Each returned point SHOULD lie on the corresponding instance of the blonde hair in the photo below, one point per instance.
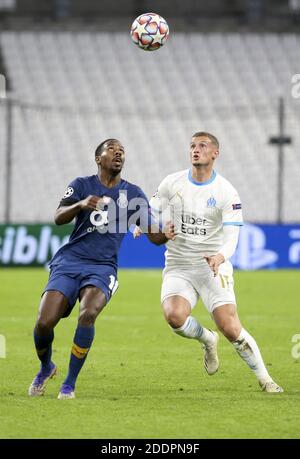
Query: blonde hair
(210, 136)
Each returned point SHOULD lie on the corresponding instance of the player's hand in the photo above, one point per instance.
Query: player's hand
(214, 262)
(137, 232)
(94, 202)
(169, 231)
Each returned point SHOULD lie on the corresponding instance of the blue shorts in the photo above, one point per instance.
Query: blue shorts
(70, 279)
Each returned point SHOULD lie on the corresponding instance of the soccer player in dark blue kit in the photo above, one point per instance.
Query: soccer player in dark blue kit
(85, 268)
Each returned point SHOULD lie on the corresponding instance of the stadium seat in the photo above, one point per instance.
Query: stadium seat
(80, 88)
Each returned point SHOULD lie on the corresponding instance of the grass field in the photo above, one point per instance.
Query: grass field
(142, 381)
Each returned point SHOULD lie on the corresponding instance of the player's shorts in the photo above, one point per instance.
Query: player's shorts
(70, 279)
(193, 282)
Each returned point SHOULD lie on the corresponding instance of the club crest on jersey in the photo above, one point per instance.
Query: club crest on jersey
(69, 192)
(211, 202)
(122, 199)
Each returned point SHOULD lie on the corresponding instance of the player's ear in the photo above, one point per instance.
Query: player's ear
(215, 154)
(98, 160)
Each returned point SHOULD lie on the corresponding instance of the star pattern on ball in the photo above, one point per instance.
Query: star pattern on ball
(158, 37)
(149, 31)
(141, 29)
(156, 19)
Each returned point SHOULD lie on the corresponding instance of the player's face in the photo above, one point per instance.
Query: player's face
(203, 151)
(112, 157)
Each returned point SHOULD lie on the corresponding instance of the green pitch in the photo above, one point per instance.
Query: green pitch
(142, 381)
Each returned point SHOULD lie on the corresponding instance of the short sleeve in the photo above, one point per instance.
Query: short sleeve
(232, 210)
(159, 203)
(160, 200)
(73, 193)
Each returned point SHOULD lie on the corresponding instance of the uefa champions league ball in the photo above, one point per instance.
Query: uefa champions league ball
(149, 31)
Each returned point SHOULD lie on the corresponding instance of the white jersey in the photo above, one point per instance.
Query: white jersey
(199, 211)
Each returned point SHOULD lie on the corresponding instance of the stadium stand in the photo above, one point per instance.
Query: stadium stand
(74, 89)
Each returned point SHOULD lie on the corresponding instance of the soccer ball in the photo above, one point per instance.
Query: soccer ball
(149, 31)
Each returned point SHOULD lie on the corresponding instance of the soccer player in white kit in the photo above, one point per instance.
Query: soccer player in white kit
(207, 214)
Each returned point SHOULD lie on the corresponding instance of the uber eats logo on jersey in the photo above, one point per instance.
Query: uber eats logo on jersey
(193, 225)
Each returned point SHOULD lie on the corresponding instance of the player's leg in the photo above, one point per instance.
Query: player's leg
(228, 322)
(178, 298)
(92, 302)
(53, 306)
(177, 312)
(218, 296)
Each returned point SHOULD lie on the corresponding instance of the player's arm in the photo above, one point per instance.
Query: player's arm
(156, 232)
(159, 238)
(68, 210)
(230, 240)
(232, 220)
(74, 201)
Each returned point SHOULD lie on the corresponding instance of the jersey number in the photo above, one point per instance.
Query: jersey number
(225, 281)
(114, 284)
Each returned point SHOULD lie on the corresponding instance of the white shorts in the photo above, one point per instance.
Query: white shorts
(193, 282)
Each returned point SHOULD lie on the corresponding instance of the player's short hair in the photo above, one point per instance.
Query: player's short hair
(100, 147)
(207, 134)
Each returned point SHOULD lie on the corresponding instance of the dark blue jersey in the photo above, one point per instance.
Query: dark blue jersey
(97, 235)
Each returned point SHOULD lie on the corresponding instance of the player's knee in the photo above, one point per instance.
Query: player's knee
(44, 326)
(230, 330)
(88, 316)
(175, 318)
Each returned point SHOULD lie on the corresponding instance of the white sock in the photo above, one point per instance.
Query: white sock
(247, 348)
(193, 330)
